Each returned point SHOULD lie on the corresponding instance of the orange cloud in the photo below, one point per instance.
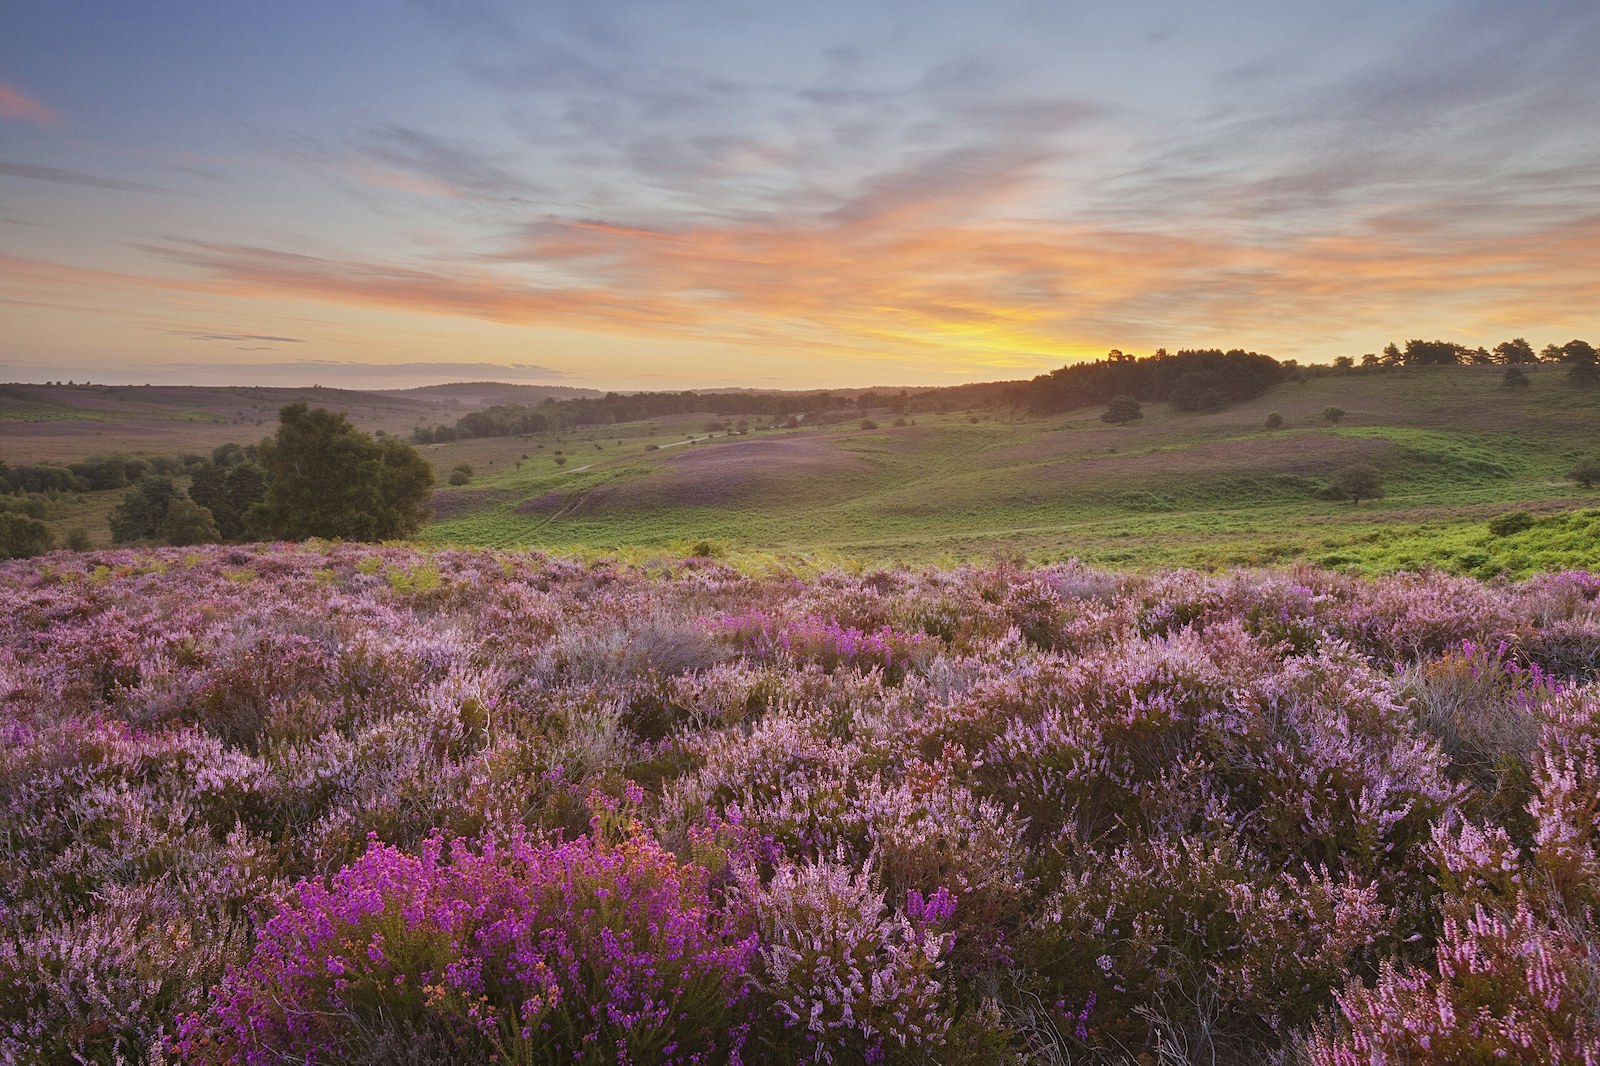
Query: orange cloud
(17, 107)
(908, 287)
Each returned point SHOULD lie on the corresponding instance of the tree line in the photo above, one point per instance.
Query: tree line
(317, 476)
(1190, 380)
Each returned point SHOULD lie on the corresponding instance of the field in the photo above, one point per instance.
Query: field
(1171, 489)
(337, 803)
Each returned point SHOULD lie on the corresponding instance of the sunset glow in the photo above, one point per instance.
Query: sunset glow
(638, 195)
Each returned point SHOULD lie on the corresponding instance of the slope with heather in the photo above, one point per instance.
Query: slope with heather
(343, 803)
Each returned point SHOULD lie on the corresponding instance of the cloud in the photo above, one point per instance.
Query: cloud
(15, 106)
(70, 177)
(342, 374)
(237, 337)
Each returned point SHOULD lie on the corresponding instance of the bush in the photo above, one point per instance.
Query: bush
(459, 477)
(1585, 471)
(1356, 483)
(1333, 414)
(522, 952)
(1121, 411)
(1274, 421)
(22, 537)
(1504, 525)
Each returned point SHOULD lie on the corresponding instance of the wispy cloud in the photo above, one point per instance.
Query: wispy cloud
(70, 177)
(16, 106)
(234, 337)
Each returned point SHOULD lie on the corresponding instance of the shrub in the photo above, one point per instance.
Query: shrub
(1585, 471)
(1274, 421)
(527, 953)
(849, 979)
(1504, 525)
(1333, 414)
(459, 477)
(22, 537)
(1121, 410)
(1356, 483)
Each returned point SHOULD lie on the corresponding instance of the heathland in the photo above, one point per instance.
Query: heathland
(942, 477)
(337, 803)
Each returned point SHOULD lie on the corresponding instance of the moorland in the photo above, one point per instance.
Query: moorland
(946, 475)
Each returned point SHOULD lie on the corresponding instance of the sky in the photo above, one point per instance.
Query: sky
(650, 194)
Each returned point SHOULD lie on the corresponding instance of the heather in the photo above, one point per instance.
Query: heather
(318, 803)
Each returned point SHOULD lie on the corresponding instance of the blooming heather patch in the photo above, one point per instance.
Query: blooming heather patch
(340, 803)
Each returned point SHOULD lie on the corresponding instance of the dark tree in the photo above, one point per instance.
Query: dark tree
(1122, 410)
(1515, 352)
(22, 537)
(1333, 414)
(188, 523)
(1274, 421)
(329, 479)
(1432, 353)
(1514, 378)
(1391, 355)
(1583, 367)
(142, 511)
(229, 492)
(1357, 483)
(1585, 471)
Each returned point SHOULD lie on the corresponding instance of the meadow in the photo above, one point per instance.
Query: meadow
(338, 803)
(1172, 489)
(947, 484)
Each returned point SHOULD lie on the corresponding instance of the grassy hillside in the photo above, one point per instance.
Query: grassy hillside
(1172, 489)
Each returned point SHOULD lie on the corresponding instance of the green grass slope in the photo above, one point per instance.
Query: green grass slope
(1214, 489)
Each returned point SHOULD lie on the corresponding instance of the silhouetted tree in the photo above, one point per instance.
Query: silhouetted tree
(1432, 353)
(1515, 352)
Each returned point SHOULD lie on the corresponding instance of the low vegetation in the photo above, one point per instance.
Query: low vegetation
(337, 803)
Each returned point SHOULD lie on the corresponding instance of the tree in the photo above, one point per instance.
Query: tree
(188, 523)
(1514, 352)
(1344, 362)
(1391, 355)
(22, 537)
(1333, 414)
(1274, 421)
(1369, 360)
(1432, 353)
(1585, 471)
(229, 492)
(1122, 410)
(329, 479)
(1357, 483)
(1583, 363)
(1514, 378)
(142, 511)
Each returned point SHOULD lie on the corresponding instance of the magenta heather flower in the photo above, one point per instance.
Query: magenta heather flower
(529, 952)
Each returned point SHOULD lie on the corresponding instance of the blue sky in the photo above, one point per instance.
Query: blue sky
(631, 194)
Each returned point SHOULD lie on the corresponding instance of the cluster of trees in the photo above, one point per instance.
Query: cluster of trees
(1578, 355)
(503, 420)
(1190, 380)
(818, 407)
(317, 476)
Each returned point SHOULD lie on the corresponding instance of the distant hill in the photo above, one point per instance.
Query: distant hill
(488, 393)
